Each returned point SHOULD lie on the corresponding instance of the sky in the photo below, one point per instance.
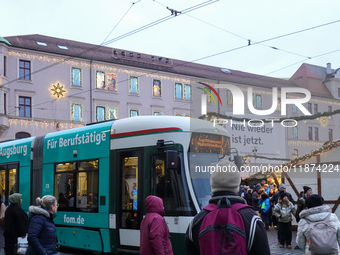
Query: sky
(216, 34)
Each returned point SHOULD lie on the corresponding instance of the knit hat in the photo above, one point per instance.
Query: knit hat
(283, 194)
(282, 186)
(15, 198)
(225, 177)
(314, 200)
(306, 188)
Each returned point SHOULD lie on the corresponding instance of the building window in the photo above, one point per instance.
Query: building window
(187, 92)
(310, 133)
(258, 102)
(156, 88)
(178, 91)
(21, 135)
(24, 70)
(112, 81)
(76, 76)
(76, 112)
(158, 113)
(25, 107)
(100, 113)
(316, 134)
(295, 153)
(278, 107)
(309, 107)
(229, 97)
(295, 132)
(338, 92)
(100, 80)
(111, 113)
(5, 59)
(5, 102)
(316, 108)
(330, 134)
(76, 185)
(134, 113)
(133, 85)
(294, 108)
(208, 95)
(330, 108)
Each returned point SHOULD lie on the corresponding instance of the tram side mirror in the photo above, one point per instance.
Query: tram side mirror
(171, 159)
(238, 161)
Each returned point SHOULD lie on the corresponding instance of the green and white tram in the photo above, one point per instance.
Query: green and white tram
(102, 173)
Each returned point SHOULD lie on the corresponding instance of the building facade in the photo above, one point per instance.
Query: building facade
(49, 84)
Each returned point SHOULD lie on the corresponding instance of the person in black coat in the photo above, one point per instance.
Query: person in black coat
(16, 223)
(42, 236)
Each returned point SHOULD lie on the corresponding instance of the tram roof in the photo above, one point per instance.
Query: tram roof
(186, 124)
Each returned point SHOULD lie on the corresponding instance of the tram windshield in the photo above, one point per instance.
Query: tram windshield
(205, 150)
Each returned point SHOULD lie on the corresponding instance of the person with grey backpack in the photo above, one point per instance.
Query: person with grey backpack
(319, 228)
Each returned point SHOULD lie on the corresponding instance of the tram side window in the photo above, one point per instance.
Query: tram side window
(76, 186)
(8, 180)
(170, 185)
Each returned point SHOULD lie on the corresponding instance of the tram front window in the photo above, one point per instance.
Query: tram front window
(200, 164)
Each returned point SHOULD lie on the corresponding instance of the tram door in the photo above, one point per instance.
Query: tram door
(8, 180)
(129, 215)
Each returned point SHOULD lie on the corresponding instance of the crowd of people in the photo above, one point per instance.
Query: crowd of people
(38, 229)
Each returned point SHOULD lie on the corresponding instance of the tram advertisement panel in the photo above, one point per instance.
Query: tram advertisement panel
(16, 151)
(77, 144)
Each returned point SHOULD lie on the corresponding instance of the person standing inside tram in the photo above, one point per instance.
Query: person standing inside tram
(42, 235)
(154, 232)
(16, 223)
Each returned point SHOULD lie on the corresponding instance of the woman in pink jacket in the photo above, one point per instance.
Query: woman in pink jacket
(154, 233)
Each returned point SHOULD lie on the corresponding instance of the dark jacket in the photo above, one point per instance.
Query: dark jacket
(42, 236)
(301, 205)
(260, 243)
(255, 197)
(16, 224)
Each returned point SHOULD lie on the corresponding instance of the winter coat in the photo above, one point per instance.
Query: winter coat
(266, 202)
(42, 236)
(248, 198)
(154, 232)
(2, 224)
(314, 214)
(301, 205)
(284, 211)
(260, 243)
(16, 224)
(256, 197)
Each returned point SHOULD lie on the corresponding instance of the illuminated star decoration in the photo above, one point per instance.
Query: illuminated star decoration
(58, 90)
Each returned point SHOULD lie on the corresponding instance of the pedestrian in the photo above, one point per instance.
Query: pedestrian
(42, 236)
(301, 205)
(327, 236)
(265, 209)
(154, 232)
(224, 187)
(248, 197)
(276, 196)
(266, 188)
(283, 211)
(16, 223)
(256, 197)
(2, 225)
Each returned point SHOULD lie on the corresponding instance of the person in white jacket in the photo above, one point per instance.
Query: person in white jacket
(315, 211)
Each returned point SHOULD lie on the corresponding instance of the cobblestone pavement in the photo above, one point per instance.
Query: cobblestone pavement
(272, 239)
(274, 245)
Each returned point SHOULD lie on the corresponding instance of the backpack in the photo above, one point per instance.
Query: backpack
(222, 230)
(321, 236)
